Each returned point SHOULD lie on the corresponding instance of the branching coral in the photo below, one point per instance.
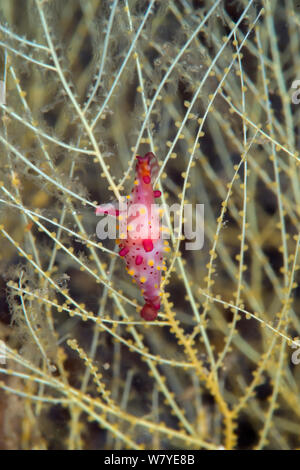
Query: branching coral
(207, 87)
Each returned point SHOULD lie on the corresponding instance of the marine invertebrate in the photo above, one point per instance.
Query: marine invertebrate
(141, 245)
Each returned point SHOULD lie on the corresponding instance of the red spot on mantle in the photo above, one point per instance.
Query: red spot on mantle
(138, 260)
(124, 251)
(148, 245)
(146, 179)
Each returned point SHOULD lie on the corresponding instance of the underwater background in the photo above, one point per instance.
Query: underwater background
(210, 87)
